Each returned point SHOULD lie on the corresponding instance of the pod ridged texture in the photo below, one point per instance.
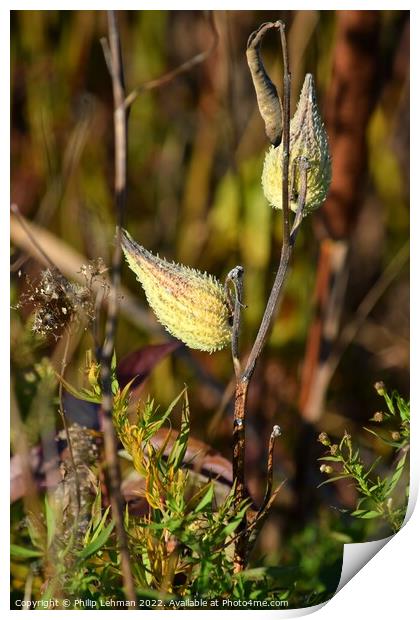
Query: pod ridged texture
(309, 140)
(191, 305)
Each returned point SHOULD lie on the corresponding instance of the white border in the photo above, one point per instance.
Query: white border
(387, 586)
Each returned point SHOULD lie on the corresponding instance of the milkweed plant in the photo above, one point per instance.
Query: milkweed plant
(188, 535)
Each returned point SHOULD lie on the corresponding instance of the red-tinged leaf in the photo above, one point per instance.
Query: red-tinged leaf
(140, 363)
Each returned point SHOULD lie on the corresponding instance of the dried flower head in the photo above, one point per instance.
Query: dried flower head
(57, 302)
(378, 416)
(308, 141)
(191, 305)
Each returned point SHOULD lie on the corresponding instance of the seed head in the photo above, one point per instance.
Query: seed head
(309, 141)
(191, 305)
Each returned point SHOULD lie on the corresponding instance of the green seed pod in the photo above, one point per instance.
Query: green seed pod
(308, 140)
(191, 305)
(268, 100)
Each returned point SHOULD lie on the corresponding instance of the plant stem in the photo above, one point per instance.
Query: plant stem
(115, 66)
(286, 249)
(243, 381)
(67, 432)
(236, 277)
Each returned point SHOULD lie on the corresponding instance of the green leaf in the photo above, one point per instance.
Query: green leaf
(366, 514)
(388, 442)
(334, 478)
(114, 361)
(81, 394)
(372, 467)
(22, 552)
(396, 475)
(153, 427)
(50, 520)
(97, 509)
(177, 454)
(96, 544)
(101, 525)
(206, 500)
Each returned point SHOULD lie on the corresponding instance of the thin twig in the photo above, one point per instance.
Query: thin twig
(276, 432)
(16, 211)
(235, 276)
(182, 68)
(66, 428)
(110, 438)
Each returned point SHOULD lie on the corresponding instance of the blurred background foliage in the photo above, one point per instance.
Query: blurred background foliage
(196, 147)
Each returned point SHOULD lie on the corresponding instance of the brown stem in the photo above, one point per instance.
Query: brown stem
(276, 432)
(235, 276)
(115, 66)
(289, 237)
(239, 469)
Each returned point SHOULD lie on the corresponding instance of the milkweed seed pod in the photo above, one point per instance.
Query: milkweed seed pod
(191, 305)
(268, 100)
(308, 139)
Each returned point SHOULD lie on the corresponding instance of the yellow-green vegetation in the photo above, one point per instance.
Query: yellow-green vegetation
(382, 497)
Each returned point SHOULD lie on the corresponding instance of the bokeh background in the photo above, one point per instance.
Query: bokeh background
(196, 147)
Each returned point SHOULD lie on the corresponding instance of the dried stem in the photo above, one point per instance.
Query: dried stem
(276, 432)
(115, 66)
(16, 211)
(235, 276)
(66, 429)
(241, 543)
(182, 68)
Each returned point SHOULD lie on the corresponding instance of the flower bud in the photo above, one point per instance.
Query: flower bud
(326, 469)
(308, 141)
(380, 388)
(334, 449)
(378, 416)
(395, 436)
(191, 305)
(324, 439)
